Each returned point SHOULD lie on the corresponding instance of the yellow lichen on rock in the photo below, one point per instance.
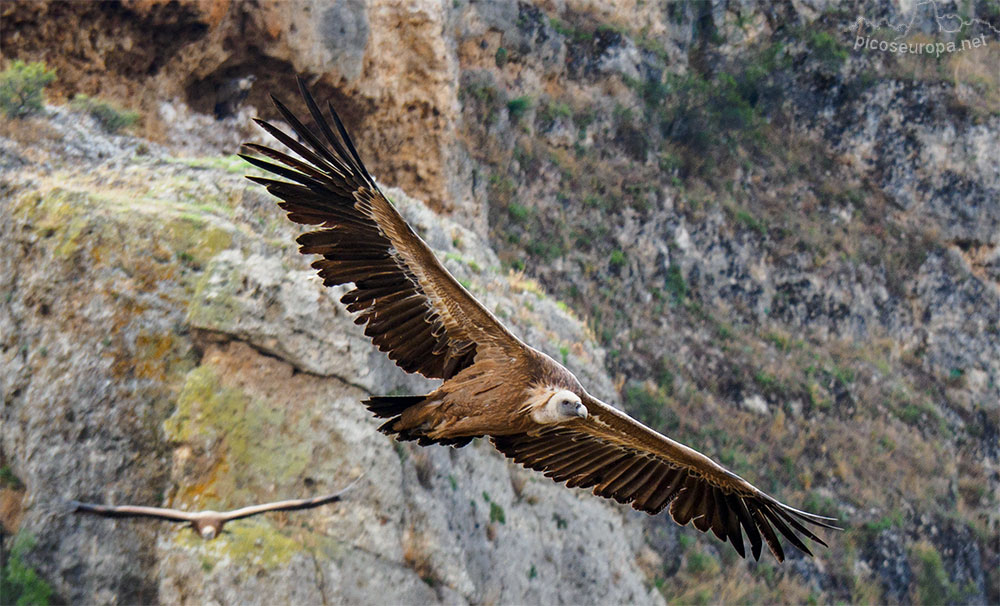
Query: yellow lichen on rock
(253, 542)
(222, 424)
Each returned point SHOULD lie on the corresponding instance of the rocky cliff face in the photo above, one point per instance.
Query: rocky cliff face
(164, 343)
(787, 247)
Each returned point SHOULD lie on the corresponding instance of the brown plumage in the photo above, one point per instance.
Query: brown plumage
(208, 524)
(532, 408)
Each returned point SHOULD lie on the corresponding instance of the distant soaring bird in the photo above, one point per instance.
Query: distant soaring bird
(208, 524)
(533, 409)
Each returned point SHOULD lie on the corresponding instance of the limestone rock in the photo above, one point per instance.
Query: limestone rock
(164, 343)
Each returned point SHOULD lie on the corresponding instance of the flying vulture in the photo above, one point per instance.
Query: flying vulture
(208, 524)
(532, 408)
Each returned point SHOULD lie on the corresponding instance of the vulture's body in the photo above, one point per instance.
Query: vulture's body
(532, 408)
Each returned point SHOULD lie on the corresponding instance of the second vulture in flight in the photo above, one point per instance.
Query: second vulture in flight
(533, 409)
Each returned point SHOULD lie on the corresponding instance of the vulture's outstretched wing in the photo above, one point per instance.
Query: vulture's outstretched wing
(132, 511)
(414, 309)
(629, 462)
(289, 505)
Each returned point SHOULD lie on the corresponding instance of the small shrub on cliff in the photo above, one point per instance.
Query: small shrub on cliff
(21, 88)
(482, 93)
(933, 585)
(111, 118)
(826, 48)
(575, 34)
(501, 57)
(19, 583)
(650, 405)
(9, 480)
(518, 107)
(617, 259)
(554, 110)
(676, 284)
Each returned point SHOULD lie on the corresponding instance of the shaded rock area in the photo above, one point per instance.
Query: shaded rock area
(762, 240)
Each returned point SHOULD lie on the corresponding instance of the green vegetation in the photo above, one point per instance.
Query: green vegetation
(651, 405)
(676, 285)
(501, 57)
(699, 563)
(575, 34)
(486, 95)
(254, 541)
(933, 585)
(712, 116)
(21, 87)
(496, 511)
(518, 107)
(9, 480)
(470, 263)
(230, 163)
(245, 430)
(617, 259)
(112, 119)
(721, 138)
(892, 520)
(497, 514)
(400, 451)
(19, 582)
(751, 222)
(560, 521)
(780, 341)
(500, 190)
(766, 381)
(825, 47)
(519, 213)
(550, 111)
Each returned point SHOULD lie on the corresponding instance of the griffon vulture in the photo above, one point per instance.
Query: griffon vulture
(208, 524)
(533, 409)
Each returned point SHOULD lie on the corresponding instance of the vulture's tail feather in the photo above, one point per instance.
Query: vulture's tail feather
(386, 407)
(391, 407)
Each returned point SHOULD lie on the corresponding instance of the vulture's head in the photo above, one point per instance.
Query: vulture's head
(567, 405)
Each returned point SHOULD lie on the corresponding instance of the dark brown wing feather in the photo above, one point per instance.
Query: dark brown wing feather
(413, 309)
(630, 463)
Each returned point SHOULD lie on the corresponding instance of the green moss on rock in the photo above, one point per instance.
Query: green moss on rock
(252, 542)
(112, 221)
(247, 435)
(213, 303)
(230, 164)
(194, 238)
(19, 583)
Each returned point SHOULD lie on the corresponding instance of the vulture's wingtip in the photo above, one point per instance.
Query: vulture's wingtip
(353, 483)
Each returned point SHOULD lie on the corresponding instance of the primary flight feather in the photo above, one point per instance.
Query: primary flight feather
(532, 408)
